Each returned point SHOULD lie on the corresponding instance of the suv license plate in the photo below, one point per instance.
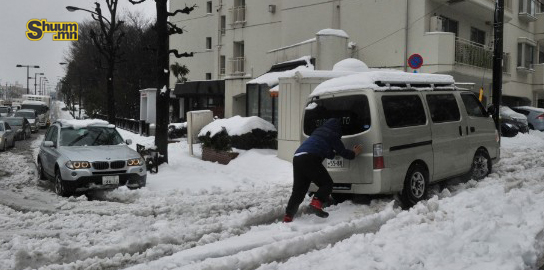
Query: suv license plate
(110, 180)
(337, 162)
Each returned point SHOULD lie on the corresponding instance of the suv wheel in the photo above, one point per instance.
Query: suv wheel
(4, 149)
(415, 185)
(481, 165)
(41, 175)
(60, 187)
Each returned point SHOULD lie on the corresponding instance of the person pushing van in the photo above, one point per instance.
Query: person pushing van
(308, 167)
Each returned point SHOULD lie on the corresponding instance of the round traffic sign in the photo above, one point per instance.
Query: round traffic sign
(415, 61)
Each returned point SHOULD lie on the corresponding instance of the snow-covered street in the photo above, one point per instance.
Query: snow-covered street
(195, 214)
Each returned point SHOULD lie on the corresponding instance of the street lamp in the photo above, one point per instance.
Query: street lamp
(27, 75)
(72, 9)
(36, 81)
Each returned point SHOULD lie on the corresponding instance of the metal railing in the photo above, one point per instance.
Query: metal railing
(237, 65)
(478, 55)
(134, 126)
(238, 15)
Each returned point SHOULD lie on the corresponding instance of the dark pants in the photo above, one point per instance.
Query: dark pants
(308, 168)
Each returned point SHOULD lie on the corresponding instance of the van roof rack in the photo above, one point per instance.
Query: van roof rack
(416, 86)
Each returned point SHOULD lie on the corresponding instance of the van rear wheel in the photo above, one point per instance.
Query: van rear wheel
(481, 165)
(415, 185)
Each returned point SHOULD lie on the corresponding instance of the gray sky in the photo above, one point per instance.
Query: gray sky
(15, 48)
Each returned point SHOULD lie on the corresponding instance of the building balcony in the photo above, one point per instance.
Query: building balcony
(237, 66)
(477, 55)
(238, 16)
(478, 9)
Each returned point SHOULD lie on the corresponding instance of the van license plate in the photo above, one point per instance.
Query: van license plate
(110, 180)
(337, 162)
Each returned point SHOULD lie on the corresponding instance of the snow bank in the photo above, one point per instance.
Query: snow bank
(237, 125)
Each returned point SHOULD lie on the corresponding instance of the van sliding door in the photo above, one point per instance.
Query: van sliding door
(448, 135)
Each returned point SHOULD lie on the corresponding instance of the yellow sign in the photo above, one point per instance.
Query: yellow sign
(64, 31)
(481, 94)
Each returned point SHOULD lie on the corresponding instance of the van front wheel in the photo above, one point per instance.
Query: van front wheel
(415, 185)
(481, 165)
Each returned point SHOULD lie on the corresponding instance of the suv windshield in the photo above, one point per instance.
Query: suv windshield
(352, 111)
(40, 109)
(28, 115)
(89, 136)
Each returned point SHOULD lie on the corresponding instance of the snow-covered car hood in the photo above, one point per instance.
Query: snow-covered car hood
(98, 153)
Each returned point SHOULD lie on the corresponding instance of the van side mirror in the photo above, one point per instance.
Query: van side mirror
(128, 141)
(48, 144)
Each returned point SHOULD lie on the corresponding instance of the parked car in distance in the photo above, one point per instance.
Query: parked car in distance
(7, 136)
(509, 116)
(416, 130)
(20, 126)
(80, 155)
(31, 116)
(535, 116)
(5, 111)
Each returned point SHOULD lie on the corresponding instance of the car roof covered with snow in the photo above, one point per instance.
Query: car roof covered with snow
(77, 124)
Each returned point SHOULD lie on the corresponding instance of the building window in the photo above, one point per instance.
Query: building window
(238, 12)
(208, 76)
(525, 55)
(261, 103)
(477, 36)
(208, 43)
(223, 24)
(222, 65)
(449, 25)
(541, 55)
(209, 7)
(527, 6)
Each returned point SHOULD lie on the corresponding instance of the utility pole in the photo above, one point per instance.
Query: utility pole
(498, 28)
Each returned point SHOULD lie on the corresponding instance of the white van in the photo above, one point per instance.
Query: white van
(416, 129)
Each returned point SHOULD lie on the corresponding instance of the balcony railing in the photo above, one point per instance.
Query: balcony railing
(477, 55)
(238, 15)
(237, 66)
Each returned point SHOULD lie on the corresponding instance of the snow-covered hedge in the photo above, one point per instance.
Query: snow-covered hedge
(242, 132)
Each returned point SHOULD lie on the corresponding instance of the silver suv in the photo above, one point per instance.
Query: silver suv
(79, 155)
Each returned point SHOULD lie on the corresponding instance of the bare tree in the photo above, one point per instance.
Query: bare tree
(164, 30)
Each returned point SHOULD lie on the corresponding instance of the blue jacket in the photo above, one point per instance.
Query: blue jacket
(325, 141)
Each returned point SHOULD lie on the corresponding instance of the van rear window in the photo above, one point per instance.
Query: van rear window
(403, 111)
(352, 111)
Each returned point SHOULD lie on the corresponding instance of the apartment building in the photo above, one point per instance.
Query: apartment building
(236, 41)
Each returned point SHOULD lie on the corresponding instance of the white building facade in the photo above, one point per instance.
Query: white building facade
(237, 40)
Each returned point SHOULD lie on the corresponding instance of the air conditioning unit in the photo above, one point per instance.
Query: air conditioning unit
(436, 24)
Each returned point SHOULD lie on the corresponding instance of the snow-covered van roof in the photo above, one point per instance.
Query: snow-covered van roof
(77, 124)
(33, 102)
(385, 80)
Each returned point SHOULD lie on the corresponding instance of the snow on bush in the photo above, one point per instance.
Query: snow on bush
(237, 125)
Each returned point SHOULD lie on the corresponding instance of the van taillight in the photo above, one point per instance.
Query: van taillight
(378, 156)
(540, 117)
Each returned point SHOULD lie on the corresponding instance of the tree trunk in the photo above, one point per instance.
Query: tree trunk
(110, 94)
(163, 98)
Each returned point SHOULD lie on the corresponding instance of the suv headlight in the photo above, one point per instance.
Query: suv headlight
(74, 165)
(135, 162)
